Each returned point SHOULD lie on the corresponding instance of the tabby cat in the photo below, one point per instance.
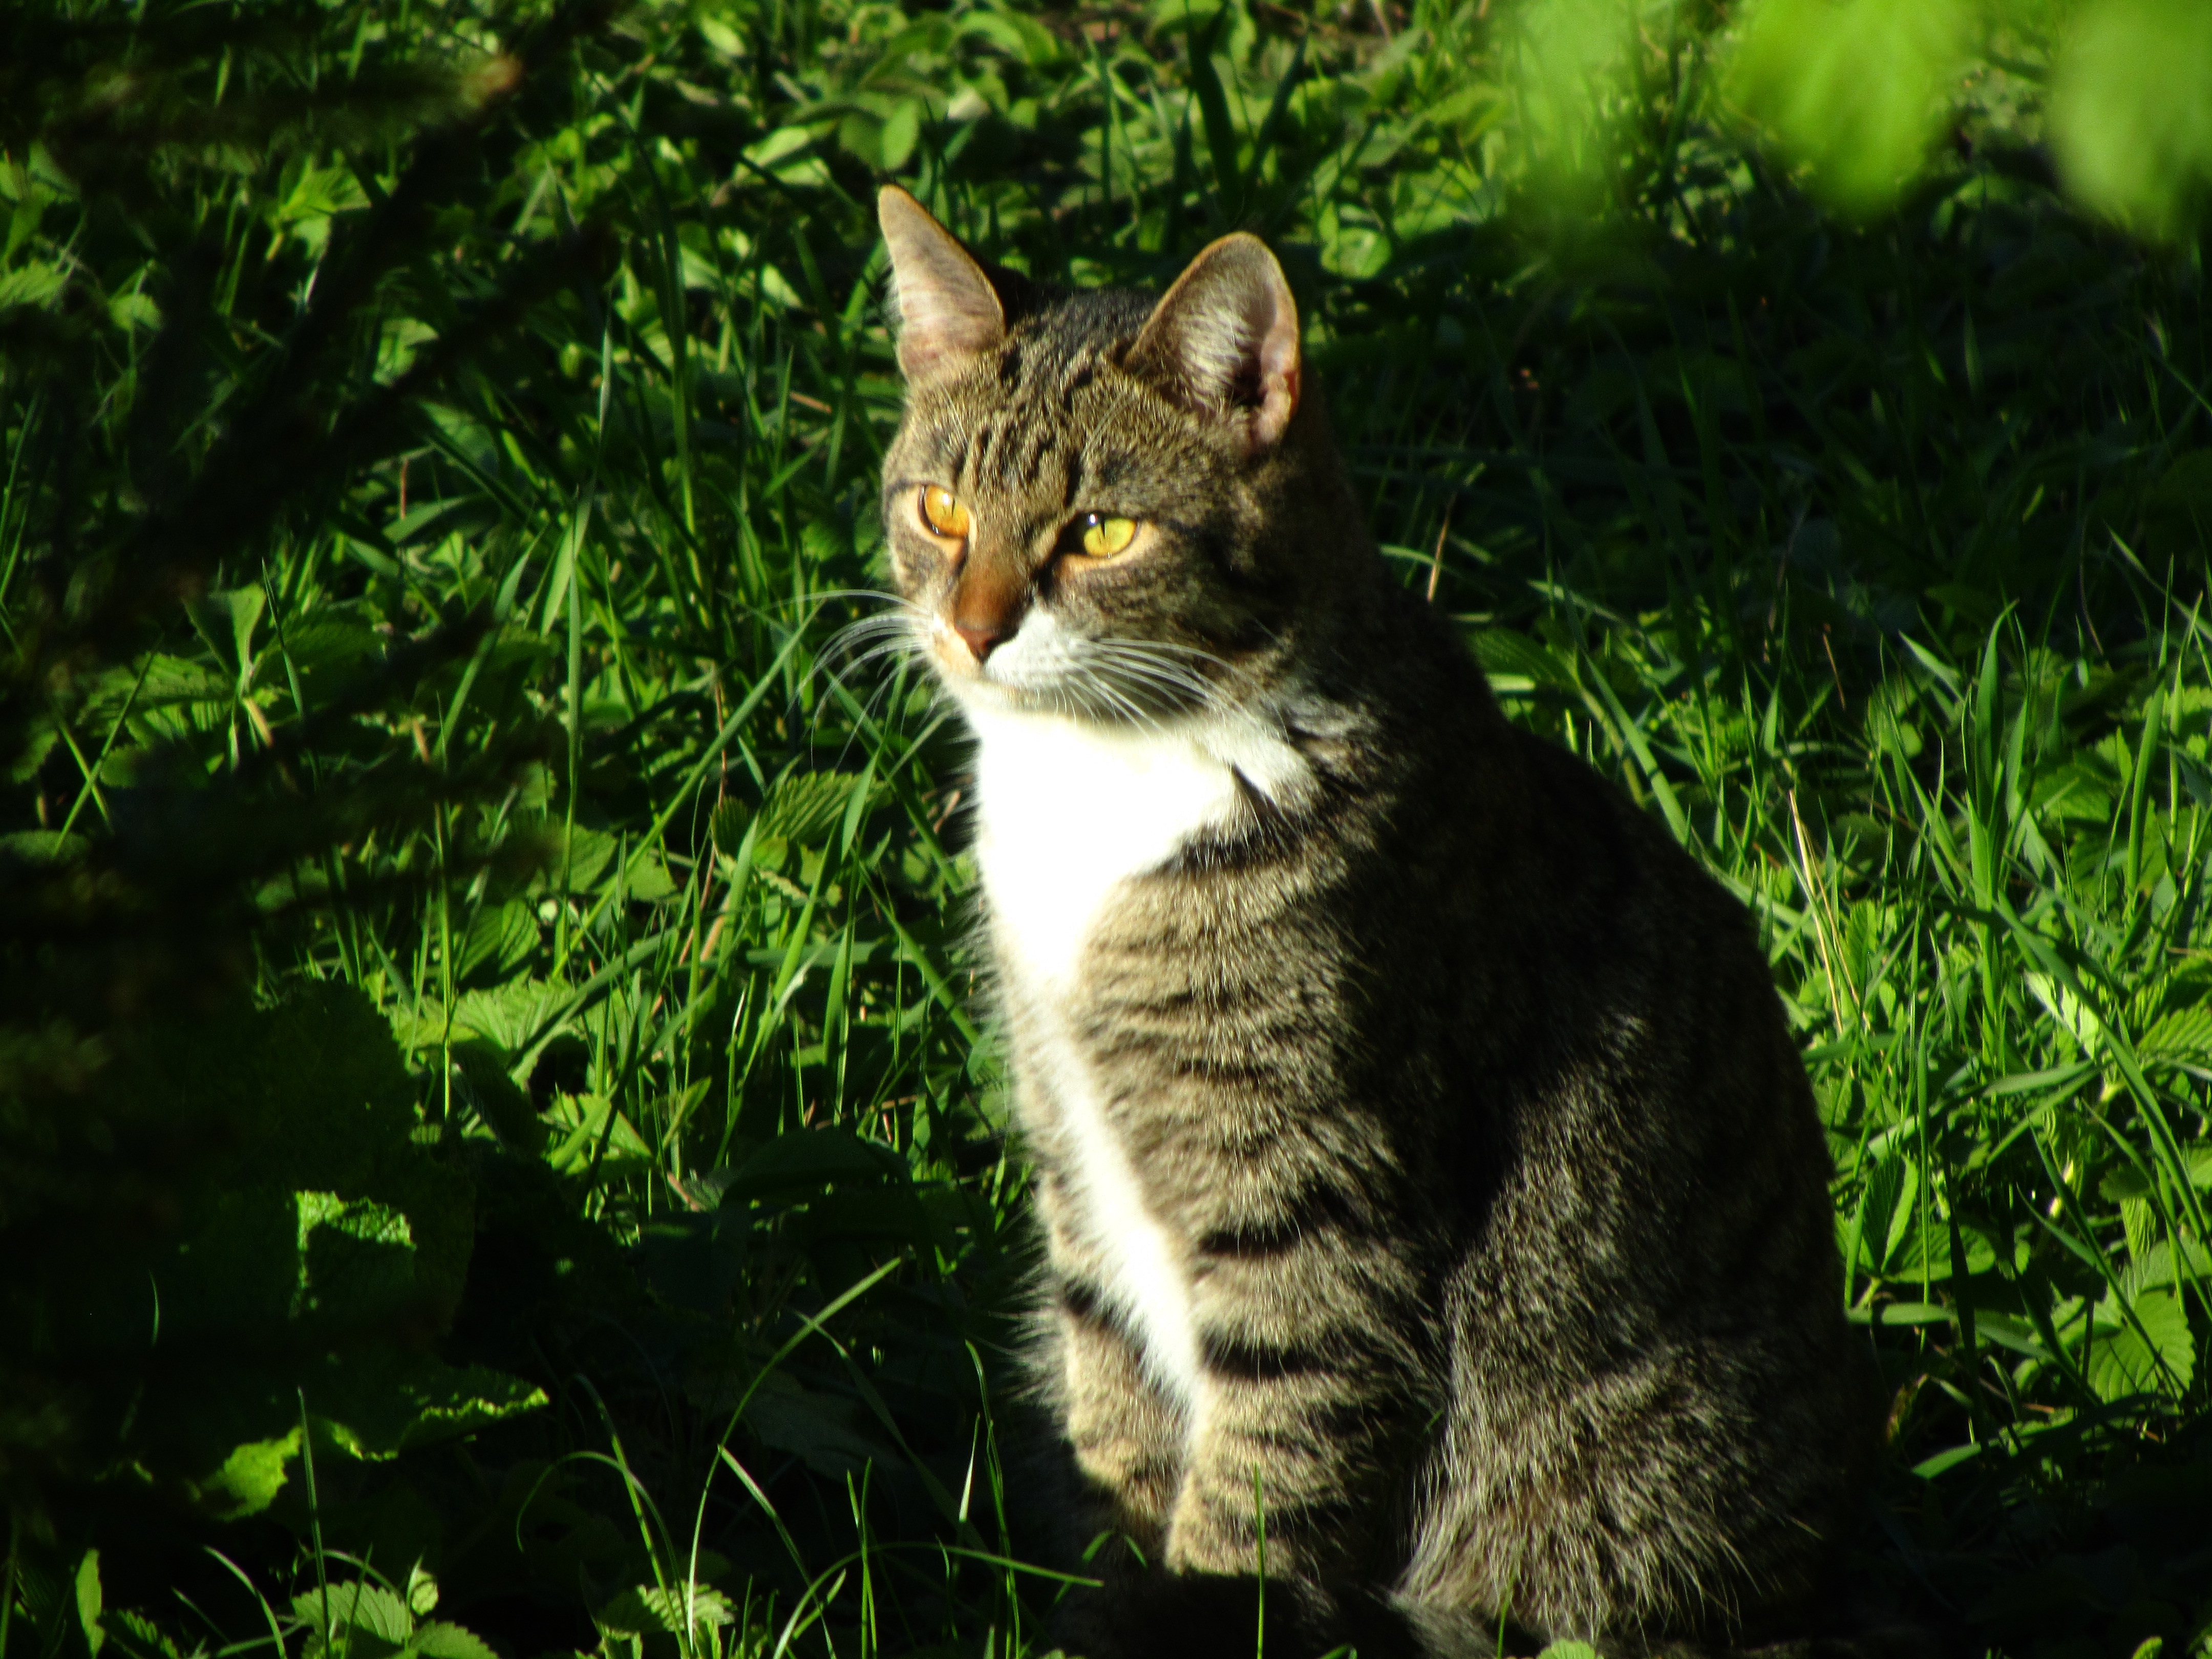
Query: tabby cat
(1433, 1198)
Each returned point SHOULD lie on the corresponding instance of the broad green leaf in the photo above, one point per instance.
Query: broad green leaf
(249, 1478)
(804, 807)
(357, 1258)
(89, 1601)
(379, 1406)
(442, 1641)
(2130, 112)
(1856, 91)
(677, 1609)
(31, 284)
(500, 940)
(2122, 1363)
(806, 1160)
(363, 1619)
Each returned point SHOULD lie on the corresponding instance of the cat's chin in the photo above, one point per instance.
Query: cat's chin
(980, 694)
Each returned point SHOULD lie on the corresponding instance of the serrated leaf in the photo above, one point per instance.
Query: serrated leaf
(499, 939)
(677, 1610)
(354, 1610)
(2122, 1363)
(357, 1258)
(806, 806)
(171, 680)
(583, 858)
(31, 284)
(437, 1640)
(2186, 1033)
(379, 1406)
(727, 827)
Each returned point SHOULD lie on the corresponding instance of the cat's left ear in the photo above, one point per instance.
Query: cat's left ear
(1224, 341)
(948, 313)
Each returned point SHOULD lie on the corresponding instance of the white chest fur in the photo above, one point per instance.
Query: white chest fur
(1067, 813)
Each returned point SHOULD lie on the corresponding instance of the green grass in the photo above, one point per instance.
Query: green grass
(431, 507)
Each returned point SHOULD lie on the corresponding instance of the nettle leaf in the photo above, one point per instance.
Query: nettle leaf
(314, 1246)
(171, 680)
(31, 284)
(376, 1406)
(357, 1256)
(2122, 1362)
(806, 806)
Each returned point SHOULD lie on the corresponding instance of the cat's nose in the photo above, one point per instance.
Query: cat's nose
(983, 637)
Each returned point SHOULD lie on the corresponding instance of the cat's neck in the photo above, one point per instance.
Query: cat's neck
(1068, 810)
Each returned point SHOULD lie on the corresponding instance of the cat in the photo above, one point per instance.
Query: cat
(1435, 1207)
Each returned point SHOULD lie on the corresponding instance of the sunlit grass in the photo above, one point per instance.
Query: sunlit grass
(1870, 563)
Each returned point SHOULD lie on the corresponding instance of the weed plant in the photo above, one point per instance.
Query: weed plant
(493, 1120)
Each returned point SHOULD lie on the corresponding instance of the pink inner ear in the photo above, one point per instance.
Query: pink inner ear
(1279, 375)
(948, 309)
(1224, 340)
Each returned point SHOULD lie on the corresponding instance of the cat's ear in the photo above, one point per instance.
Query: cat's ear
(1223, 340)
(948, 309)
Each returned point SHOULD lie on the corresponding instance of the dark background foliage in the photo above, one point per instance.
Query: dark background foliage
(494, 1145)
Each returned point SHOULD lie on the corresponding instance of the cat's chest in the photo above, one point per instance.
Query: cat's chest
(1067, 813)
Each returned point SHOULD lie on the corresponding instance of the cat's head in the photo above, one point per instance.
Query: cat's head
(1103, 504)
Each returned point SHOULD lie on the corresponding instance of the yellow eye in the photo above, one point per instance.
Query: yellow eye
(942, 513)
(1103, 538)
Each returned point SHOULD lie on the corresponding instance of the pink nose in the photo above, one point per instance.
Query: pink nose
(983, 638)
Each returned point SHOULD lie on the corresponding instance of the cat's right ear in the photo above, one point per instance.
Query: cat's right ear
(1224, 341)
(948, 310)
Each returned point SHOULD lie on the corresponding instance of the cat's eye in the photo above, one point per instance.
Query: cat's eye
(942, 511)
(1102, 537)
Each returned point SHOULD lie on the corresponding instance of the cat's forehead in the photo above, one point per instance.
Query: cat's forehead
(1045, 395)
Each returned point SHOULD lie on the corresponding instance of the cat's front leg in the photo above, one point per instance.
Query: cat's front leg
(1309, 1381)
(1126, 1439)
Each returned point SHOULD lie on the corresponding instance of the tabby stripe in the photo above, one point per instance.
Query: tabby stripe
(1256, 1362)
(1083, 1302)
(1318, 1209)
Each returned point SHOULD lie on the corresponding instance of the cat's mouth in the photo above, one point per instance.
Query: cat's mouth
(1045, 666)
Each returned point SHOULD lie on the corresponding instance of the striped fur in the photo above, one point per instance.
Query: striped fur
(1422, 1158)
